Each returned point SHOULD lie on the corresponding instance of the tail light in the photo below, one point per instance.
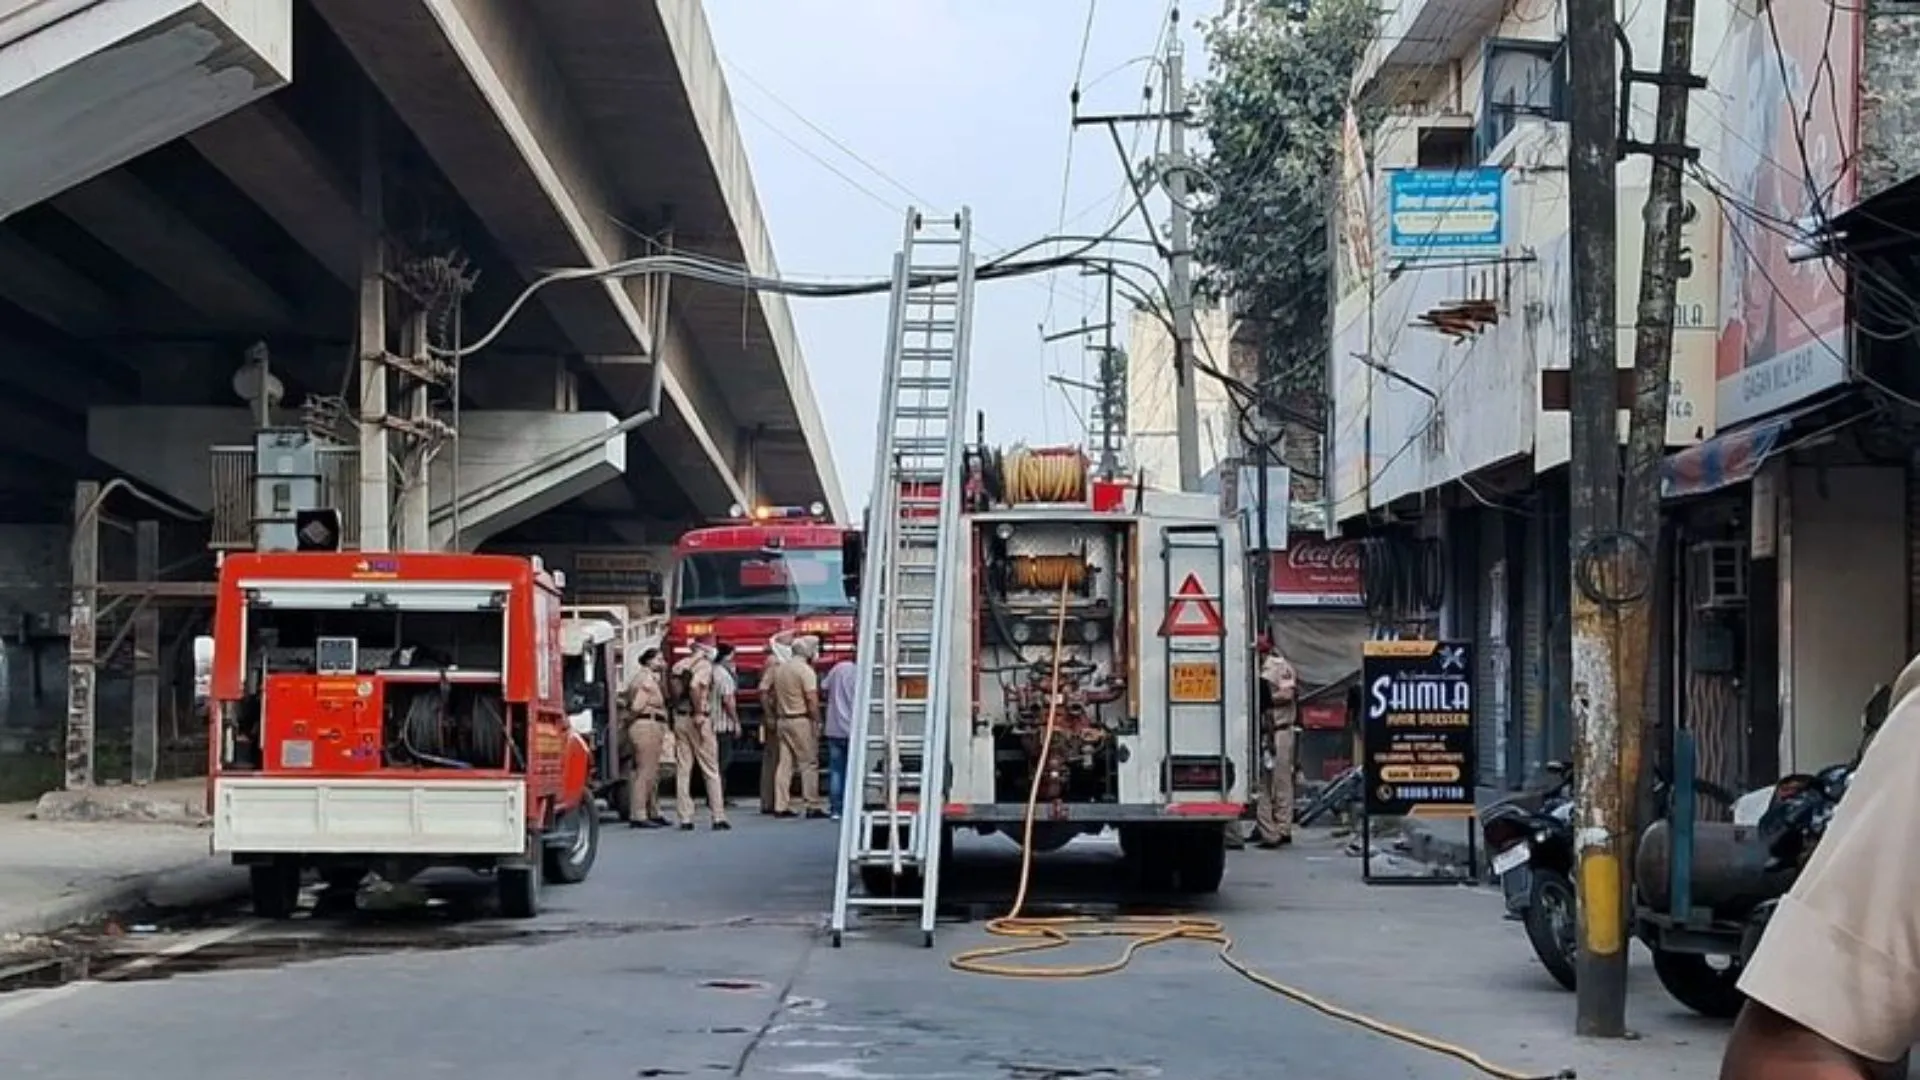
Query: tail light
(1199, 774)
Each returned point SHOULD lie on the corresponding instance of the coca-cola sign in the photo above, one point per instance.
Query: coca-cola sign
(1316, 572)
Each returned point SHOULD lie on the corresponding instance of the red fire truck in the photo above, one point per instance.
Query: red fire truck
(743, 580)
(390, 713)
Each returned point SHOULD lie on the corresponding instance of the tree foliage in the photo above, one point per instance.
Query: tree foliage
(1272, 108)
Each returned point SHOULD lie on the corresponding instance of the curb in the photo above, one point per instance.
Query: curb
(201, 883)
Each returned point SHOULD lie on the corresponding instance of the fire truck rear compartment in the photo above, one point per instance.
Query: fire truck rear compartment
(360, 691)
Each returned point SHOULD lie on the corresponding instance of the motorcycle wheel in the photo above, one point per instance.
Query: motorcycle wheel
(1693, 982)
(1552, 921)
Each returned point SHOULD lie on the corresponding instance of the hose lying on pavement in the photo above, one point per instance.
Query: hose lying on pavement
(1144, 931)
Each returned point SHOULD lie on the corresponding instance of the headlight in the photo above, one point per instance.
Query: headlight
(1090, 631)
(1022, 633)
(1004, 531)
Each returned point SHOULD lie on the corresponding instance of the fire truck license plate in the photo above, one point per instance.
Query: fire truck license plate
(1195, 682)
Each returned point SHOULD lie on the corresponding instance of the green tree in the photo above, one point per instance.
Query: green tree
(1272, 107)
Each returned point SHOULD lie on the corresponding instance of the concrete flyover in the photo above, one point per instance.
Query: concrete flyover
(198, 185)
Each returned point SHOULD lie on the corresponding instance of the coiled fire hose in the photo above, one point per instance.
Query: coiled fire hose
(1037, 934)
(1048, 573)
(1050, 476)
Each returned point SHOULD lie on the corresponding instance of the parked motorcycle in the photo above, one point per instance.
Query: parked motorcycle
(1529, 842)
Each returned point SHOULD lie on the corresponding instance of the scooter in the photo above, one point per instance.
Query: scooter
(1529, 842)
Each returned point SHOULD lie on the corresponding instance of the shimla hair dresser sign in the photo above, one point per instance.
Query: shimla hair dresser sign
(1417, 727)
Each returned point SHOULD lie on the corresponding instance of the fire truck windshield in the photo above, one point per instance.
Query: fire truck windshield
(804, 581)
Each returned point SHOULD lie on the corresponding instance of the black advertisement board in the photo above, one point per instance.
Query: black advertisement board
(1417, 716)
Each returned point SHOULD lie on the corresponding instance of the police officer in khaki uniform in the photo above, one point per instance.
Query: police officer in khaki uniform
(1273, 820)
(647, 729)
(1833, 992)
(691, 698)
(779, 651)
(794, 698)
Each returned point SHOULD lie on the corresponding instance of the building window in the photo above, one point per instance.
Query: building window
(1521, 79)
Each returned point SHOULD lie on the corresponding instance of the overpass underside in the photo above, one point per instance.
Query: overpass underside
(192, 187)
(208, 178)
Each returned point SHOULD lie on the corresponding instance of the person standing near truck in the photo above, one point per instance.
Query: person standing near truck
(690, 695)
(839, 688)
(647, 729)
(794, 693)
(779, 651)
(1278, 710)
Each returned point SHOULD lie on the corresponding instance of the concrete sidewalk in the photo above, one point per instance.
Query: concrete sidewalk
(68, 859)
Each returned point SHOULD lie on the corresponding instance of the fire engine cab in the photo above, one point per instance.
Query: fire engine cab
(742, 580)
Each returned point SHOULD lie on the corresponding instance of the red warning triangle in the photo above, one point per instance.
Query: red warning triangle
(1193, 613)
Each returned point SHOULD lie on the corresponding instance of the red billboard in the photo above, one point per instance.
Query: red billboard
(1316, 572)
(1787, 152)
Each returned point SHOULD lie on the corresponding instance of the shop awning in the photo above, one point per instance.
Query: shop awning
(1731, 457)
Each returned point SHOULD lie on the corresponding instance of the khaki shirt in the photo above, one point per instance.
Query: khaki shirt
(1283, 684)
(1841, 956)
(789, 685)
(701, 689)
(645, 696)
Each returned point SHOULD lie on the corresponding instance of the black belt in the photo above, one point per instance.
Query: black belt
(656, 717)
(794, 716)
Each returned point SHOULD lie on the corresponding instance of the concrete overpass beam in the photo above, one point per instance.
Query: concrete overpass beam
(275, 165)
(167, 449)
(473, 81)
(93, 84)
(124, 215)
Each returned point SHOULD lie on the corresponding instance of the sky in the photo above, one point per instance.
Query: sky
(852, 110)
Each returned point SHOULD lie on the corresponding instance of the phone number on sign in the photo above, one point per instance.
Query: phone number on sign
(1414, 793)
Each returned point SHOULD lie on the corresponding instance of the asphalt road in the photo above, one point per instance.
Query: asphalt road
(703, 954)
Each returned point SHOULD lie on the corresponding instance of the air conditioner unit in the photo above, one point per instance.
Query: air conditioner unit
(1717, 575)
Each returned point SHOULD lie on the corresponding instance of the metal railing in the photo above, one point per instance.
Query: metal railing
(232, 475)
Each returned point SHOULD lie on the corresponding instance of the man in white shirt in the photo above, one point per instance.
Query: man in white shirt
(839, 689)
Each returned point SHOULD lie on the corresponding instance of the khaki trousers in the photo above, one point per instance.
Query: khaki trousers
(1273, 817)
(696, 744)
(649, 739)
(769, 762)
(799, 749)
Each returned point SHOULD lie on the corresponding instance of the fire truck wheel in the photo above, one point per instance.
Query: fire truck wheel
(276, 888)
(880, 881)
(1203, 860)
(570, 862)
(519, 889)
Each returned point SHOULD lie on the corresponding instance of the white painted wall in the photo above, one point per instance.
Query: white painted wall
(1846, 619)
(1151, 441)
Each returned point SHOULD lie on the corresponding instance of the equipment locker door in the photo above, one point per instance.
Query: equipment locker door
(1196, 666)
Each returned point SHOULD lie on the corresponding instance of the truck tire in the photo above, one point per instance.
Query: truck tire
(519, 885)
(570, 863)
(1698, 985)
(1154, 857)
(1202, 859)
(276, 888)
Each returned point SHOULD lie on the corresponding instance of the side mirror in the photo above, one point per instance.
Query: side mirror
(202, 668)
(853, 557)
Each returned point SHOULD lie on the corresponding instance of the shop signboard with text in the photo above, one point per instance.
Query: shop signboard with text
(1788, 151)
(1446, 213)
(1316, 572)
(1417, 708)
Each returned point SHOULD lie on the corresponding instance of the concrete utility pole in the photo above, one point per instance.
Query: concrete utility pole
(1186, 403)
(1652, 364)
(376, 492)
(1593, 480)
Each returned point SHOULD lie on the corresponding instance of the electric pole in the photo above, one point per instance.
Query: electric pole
(1664, 215)
(1594, 502)
(1186, 402)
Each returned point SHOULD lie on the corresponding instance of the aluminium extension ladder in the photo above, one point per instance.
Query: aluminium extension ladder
(891, 831)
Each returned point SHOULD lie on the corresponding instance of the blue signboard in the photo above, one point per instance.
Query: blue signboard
(1446, 213)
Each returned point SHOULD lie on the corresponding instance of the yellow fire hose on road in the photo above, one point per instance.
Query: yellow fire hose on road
(1042, 934)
